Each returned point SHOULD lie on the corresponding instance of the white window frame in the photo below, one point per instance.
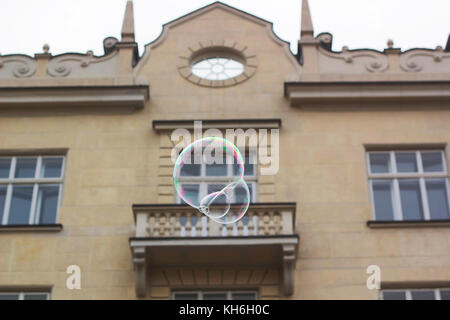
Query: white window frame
(201, 293)
(36, 181)
(395, 176)
(408, 292)
(203, 180)
(23, 293)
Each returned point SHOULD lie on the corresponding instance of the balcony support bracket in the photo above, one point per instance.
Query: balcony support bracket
(289, 259)
(140, 268)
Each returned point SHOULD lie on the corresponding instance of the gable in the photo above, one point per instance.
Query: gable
(217, 23)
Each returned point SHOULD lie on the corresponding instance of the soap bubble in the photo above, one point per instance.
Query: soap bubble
(226, 200)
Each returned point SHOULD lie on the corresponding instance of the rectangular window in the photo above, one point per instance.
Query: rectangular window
(24, 295)
(409, 185)
(416, 294)
(198, 180)
(215, 295)
(30, 189)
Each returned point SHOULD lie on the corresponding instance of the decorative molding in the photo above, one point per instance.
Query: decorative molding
(377, 62)
(169, 125)
(370, 91)
(19, 66)
(127, 97)
(63, 65)
(224, 47)
(414, 60)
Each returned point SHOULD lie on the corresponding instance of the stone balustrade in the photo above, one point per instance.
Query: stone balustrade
(172, 221)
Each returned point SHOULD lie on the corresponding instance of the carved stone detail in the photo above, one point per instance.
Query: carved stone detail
(289, 259)
(140, 271)
(20, 66)
(62, 66)
(203, 47)
(377, 61)
(413, 60)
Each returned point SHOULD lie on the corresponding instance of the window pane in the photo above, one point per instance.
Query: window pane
(191, 191)
(216, 170)
(249, 167)
(243, 296)
(394, 295)
(214, 296)
(51, 167)
(9, 296)
(185, 296)
(5, 164)
(437, 198)
(214, 188)
(411, 200)
(190, 170)
(35, 296)
(216, 167)
(25, 168)
(423, 295)
(47, 204)
(445, 294)
(382, 197)
(432, 162)
(406, 161)
(3, 189)
(379, 162)
(19, 211)
(240, 194)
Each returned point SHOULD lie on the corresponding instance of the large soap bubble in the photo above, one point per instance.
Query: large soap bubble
(224, 203)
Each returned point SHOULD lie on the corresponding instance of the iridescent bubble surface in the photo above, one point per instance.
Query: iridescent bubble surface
(221, 204)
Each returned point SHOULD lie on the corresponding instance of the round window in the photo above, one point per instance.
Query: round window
(217, 68)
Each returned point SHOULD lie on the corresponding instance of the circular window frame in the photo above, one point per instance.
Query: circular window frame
(222, 49)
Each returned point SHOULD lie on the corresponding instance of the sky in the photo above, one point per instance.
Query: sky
(81, 25)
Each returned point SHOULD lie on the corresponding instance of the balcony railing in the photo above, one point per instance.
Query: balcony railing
(169, 221)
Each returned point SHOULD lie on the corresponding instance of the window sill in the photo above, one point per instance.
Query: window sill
(408, 224)
(31, 228)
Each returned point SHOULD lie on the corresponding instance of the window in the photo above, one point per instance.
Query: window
(214, 295)
(416, 294)
(409, 185)
(30, 189)
(198, 180)
(24, 296)
(217, 68)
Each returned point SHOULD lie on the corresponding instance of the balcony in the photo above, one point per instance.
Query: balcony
(170, 235)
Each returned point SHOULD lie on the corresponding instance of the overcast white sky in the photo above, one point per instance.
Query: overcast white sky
(81, 25)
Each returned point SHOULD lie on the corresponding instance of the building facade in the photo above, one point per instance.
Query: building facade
(357, 139)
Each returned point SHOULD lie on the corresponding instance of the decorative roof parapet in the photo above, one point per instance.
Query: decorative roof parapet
(115, 67)
(318, 57)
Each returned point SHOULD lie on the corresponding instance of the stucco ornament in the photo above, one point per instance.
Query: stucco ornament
(20, 66)
(373, 61)
(62, 66)
(414, 60)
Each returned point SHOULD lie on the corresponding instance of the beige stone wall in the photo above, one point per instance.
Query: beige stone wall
(116, 160)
